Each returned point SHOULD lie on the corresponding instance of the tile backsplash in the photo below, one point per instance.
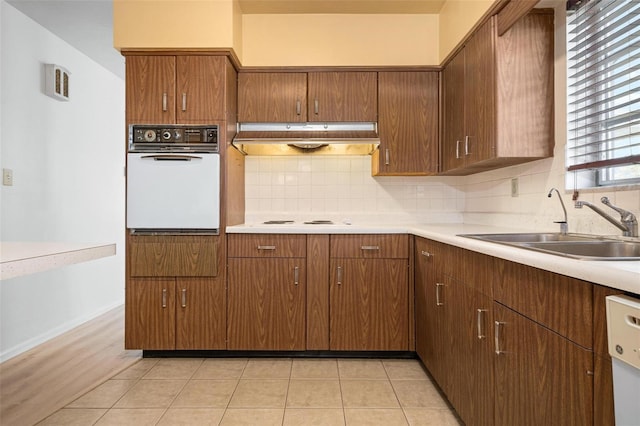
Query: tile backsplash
(338, 188)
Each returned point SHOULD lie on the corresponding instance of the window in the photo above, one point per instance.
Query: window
(603, 88)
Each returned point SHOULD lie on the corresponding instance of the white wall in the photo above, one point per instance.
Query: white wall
(68, 168)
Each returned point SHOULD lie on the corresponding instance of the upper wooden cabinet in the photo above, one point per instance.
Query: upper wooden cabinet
(407, 124)
(342, 96)
(175, 89)
(272, 97)
(498, 97)
(281, 97)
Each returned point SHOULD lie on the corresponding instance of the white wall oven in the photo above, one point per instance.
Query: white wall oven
(173, 180)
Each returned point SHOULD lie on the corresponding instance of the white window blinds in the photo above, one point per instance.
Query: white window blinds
(603, 59)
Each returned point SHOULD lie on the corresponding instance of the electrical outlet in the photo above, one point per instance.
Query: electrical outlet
(514, 187)
(7, 177)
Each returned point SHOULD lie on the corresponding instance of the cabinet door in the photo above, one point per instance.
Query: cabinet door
(150, 89)
(369, 304)
(541, 377)
(342, 96)
(150, 313)
(267, 304)
(471, 361)
(480, 93)
(408, 123)
(453, 131)
(430, 310)
(201, 313)
(200, 94)
(272, 97)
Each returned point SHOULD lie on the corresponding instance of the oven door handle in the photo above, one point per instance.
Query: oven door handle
(172, 157)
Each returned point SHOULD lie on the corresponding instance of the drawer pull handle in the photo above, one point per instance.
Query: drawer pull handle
(480, 312)
(184, 297)
(296, 275)
(316, 108)
(164, 297)
(339, 275)
(164, 102)
(266, 247)
(369, 247)
(497, 337)
(439, 302)
(298, 107)
(457, 149)
(184, 102)
(426, 253)
(387, 160)
(467, 151)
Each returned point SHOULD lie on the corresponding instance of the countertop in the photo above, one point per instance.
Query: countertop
(622, 275)
(22, 258)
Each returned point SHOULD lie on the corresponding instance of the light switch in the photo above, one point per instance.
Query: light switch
(514, 187)
(7, 177)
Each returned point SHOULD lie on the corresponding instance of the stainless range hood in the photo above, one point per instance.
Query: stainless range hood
(307, 138)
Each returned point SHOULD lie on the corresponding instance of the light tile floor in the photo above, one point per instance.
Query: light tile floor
(257, 391)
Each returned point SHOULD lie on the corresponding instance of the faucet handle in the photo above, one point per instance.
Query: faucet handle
(624, 214)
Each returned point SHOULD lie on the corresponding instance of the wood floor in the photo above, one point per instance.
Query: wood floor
(44, 379)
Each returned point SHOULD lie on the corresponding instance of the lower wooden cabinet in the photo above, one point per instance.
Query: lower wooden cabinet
(175, 313)
(509, 344)
(369, 292)
(541, 378)
(267, 299)
(267, 292)
(368, 305)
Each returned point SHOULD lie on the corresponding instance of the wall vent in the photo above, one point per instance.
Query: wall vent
(57, 82)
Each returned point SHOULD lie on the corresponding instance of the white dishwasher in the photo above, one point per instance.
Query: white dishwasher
(623, 330)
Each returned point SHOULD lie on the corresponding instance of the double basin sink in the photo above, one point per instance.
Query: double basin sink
(576, 246)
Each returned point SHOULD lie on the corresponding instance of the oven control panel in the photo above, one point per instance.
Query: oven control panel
(173, 137)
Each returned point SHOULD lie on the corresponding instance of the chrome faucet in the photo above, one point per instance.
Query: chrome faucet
(628, 223)
(564, 225)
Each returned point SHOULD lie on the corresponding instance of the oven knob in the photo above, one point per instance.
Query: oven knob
(177, 135)
(150, 135)
(166, 135)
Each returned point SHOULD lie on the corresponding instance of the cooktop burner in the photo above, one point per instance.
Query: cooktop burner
(319, 222)
(277, 222)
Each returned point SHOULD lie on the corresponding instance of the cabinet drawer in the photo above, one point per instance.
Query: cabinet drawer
(390, 246)
(267, 245)
(173, 256)
(561, 303)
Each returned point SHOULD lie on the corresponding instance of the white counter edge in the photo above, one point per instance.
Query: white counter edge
(23, 258)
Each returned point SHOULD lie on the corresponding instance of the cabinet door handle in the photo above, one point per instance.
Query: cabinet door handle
(369, 247)
(496, 337)
(184, 102)
(298, 107)
(184, 297)
(164, 297)
(266, 247)
(164, 102)
(457, 149)
(480, 312)
(467, 151)
(316, 106)
(439, 302)
(387, 160)
(296, 275)
(426, 253)
(339, 275)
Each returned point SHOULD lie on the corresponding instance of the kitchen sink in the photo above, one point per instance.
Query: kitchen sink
(530, 237)
(577, 246)
(593, 250)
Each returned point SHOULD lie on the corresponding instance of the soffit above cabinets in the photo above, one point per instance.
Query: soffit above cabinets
(341, 6)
